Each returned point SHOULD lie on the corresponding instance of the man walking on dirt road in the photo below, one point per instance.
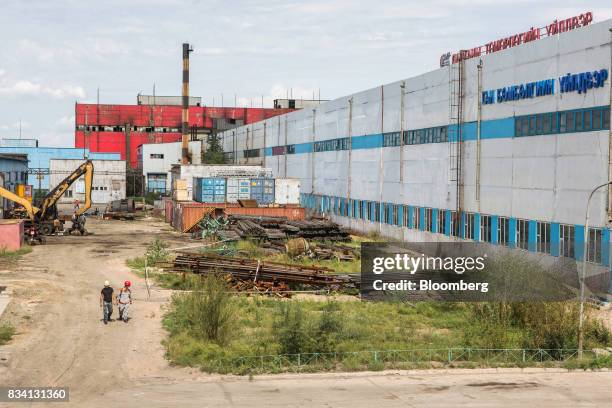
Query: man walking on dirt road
(106, 301)
(124, 300)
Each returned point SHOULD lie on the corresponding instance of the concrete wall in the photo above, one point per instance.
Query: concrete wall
(543, 178)
(109, 181)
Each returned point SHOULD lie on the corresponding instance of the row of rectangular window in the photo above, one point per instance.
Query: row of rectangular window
(438, 134)
(582, 120)
(390, 214)
(341, 143)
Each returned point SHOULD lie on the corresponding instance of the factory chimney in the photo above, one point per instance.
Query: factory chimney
(185, 123)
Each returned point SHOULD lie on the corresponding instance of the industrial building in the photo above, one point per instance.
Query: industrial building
(156, 160)
(103, 128)
(109, 182)
(13, 172)
(297, 103)
(39, 158)
(502, 144)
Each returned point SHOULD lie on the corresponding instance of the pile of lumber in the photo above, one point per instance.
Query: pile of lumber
(280, 228)
(251, 270)
(341, 252)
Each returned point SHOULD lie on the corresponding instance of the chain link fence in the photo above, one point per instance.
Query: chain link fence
(381, 359)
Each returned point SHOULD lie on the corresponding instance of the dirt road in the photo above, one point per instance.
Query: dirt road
(62, 342)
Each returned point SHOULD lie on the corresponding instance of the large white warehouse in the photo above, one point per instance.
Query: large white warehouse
(502, 146)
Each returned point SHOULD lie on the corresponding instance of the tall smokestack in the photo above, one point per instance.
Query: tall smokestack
(185, 124)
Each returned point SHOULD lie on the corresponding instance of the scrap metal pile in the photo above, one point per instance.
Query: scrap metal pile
(258, 276)
(280, 228)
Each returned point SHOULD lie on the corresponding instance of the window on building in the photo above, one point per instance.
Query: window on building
(440, 224)
(594, 254)
(588, 122)
(522, 234)
(365, 214)
(416, 217)
(532, 125)
(543, 237)
(290, 149)
(405, 216)
(68, 193)
(377, 212)
(485, 228)
(356, 208)
(156, 155)
(566, 237)
(278, 150)
(251, 153)
(524, 125)
(429, 219)
(395, 214)
(562, 122)
(546, 123)
(605, 124)
(468, 233)
(578, 120)
(391, 139)
(454, 224)
(596, 119)
(570, 123)
(503, 231)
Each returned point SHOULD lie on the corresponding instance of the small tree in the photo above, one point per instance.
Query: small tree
(214, 153)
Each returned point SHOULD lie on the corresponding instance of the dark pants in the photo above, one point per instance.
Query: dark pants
(107, 310)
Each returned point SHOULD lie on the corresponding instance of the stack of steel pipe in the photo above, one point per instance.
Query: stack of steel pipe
(254, 270)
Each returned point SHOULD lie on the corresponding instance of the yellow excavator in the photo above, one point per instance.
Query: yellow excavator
(43, 218)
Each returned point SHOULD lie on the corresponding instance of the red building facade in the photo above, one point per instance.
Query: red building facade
(122, 128)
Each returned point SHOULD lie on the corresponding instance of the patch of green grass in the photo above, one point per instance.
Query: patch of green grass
(351, 330)
(6, 333)
(589, 363)
(6, 255)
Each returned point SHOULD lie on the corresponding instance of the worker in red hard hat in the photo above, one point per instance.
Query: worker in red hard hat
(124, 300)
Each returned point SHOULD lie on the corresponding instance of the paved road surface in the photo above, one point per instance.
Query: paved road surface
(477, 388)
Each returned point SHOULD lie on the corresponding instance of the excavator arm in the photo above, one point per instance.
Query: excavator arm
(30, 209)
(86, 169)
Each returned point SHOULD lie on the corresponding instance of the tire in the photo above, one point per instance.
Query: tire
(46, 229)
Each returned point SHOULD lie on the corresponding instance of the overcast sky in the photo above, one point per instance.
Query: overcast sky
(54, 53)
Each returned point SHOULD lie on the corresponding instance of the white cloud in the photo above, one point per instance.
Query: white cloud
(15, 126)
(29, 88)
(66, 122)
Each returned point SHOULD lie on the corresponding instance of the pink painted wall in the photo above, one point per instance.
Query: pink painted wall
(11, 234)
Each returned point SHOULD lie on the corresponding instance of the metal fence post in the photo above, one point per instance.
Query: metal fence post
(450, 355)
(523, 355)
(376, 356)
(299, 360)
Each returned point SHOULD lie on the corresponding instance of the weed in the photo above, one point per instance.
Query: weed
(6, 333)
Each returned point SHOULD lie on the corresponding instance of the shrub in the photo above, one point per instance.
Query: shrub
(290, 328)
(6, 333)
(156, 251)
(208, 312)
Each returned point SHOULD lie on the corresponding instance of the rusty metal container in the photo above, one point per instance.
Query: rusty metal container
(169, 210)
(298, 213)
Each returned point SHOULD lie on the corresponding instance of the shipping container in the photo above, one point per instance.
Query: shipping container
(262, 190)
(209, 190)
(291, 213)
(286, 191)
(238, 189)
